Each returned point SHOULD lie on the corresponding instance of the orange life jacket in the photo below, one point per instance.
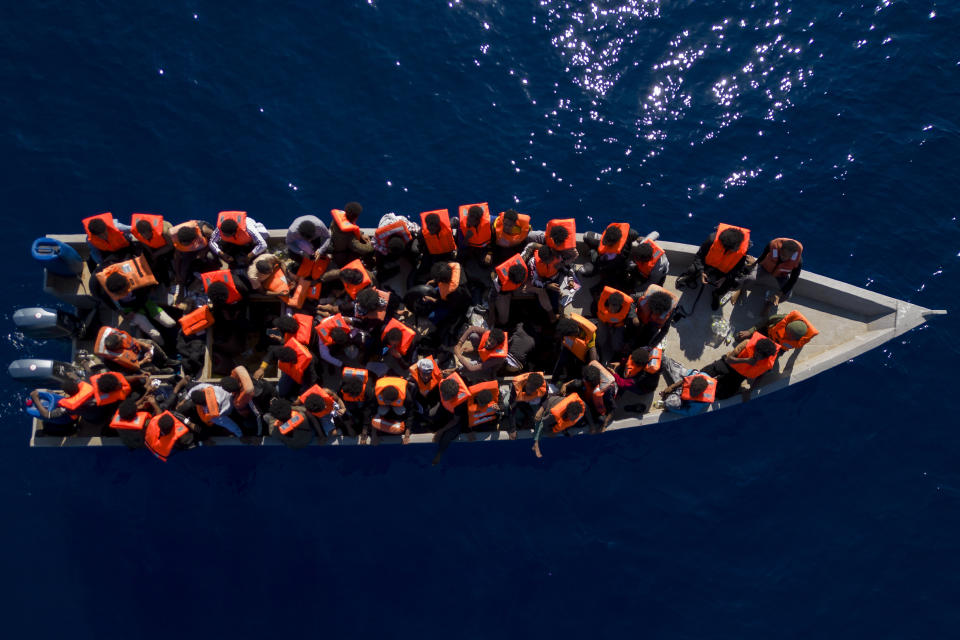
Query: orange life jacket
(354, 289)
(161, 445)
(116, 239)
(136, 271)
(74, 402)
(499, 351)
(328, 400)
(505, 239)
(129, 354)
(502, 273)
(328, 324)
(241, 237)
(363, 375)
(778, 332)
(138, 422)
(340, 219)
(607, 316)
(391, 381)
(296, 369)
(210, 408)
(608, 250)
(199, 242)
(156, 225)
(305, 290)
(406, 339)
(481, 233)
(304, 329)
(571, 226)
(596, 393)
(442, 243)
(577, 345)
(395, 427)
(463, 393)
(777, 264)
(114, 396)
(296, 419)
(644, 313)
(559, 408)
(224, 276)
(477, 414)
(313, 268)
(721, 259)
(446, 288)
(545, 269)
(652, 366)
(518, 389)
(435, 376)
(277, 283)
(395, 228)
(647, 267)
(760, 367)
(707, 396)
(196, 321)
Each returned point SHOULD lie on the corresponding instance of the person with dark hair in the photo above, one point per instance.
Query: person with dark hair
(289, 424)
(296, 365)
(561, 236)
(720, 262)
(308, 236)
(481, 353)
(324, 409)
(639, 372)
(396, 247)
(213, 405)
(689, 392)
(152, 233)
(474, 241)
(780, 266)
(109, 239)
(356, 390)
(394, 397)
(170, 431)
(610, 252)
(648, 265)
(578, 342)
(598, 389)
(789, 330)
(425, 374)
(748, 360)
(129, 423)
(138, 309)
(444, 299)
(132, 353)
(655, 309)
(347, 240)
(557, 415)
(266, 276)
(238, 238)
(546, 276)
(615, 310)
(529, 390)
(511, 232)
(192, 254)
(452, 414)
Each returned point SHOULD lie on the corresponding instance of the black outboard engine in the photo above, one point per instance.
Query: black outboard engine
(38, 372)
(47, 324)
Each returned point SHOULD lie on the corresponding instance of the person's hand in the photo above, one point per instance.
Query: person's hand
(635, 322)
(743, 335)
(775, 300)
(429, 299)
(553, 286)
(258, 374)
(487, 259)
(664, 394)
(703, 277)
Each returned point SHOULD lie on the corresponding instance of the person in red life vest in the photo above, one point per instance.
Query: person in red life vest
(452, 414)
(689, 392)
(242, 390)
(171, 432)
(487, 405)
(238, 238)
(426, 375)
(748, 360)
(394, 398)
(615, 310)
(396, 244)
(356, 390)
(299, 326)
(437, 241)
(443, 299)
(546, 277)
(561, 236)
(528, 392)
(225, 288)
(598, 388)
(129, 423)
(639, 372)
(109, 390)
(127, 287)
(340, 342)
(324, 409)
(610, 253)
(355, 278)
(191, 251)
(511, 233)
(721, 262)
(789, 330)
(296, 366)
(289, 424)
(648, 265)
(373, 308)
(512, 279)
(557, 415)
(307, 236)
(109, 239)
(578, 344)
(780, 264)
(152, 233)
(398, 343)
(655, 309)
(213, 405)
(474, 237)
(347, 241)
(133, 353)
(267, 277)
(481, 353)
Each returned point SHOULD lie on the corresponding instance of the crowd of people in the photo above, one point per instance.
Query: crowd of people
(436, 324)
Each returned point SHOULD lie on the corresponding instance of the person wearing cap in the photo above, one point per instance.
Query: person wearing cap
(425, 375)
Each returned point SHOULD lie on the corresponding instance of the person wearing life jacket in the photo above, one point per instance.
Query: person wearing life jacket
(598, 389)
(720, 262)
(655, 308)
(339, 342)
(355, 278)
(108, 238)
(689, 392)
(289, 424)
(578, 342)
(394, 396)
(296, 365)
(396, 247)
(130, 424)
(78, 401)
(615, 310)
(356, 390)
(242, 390)
(324, 409)
(191, 251)
(238, 238)
(225, 287)
(474, 236)
(266, 276)
(168, 432)
(213, 405)
(425, 374)
(561, 236)
(373, 308)
(398, 343)
(546, 277)
(452, 413)
(109, 390)
(152, 233)
(437, 241)
(127, 287)
(486, 406)
(57, 419)
(748, 360)
(527, 393)
(481, 353)
(512, 279)
(789, 330)
(347, 240)
(640, 372)
(511, 232)
(557, 415)
(610, 252)
(444, 300)
(648, 265)
(307, 236)
(780, 264)
(129, 353)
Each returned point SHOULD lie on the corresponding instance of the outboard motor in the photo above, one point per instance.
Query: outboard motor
(57, 257)
(47, 324)
(37, 372)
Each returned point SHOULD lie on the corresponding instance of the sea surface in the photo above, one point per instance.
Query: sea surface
(829, 510)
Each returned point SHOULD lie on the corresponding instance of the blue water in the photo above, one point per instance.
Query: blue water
(828, 510)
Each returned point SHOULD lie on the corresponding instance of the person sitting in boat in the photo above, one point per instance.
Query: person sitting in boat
(225, 287)
(153, 234)
(578, 342)
(372, 309)
(655, 308)
(347, 240)
(133, 354)
(307, 236)
(720, 262)
(481, 353)
(452, 414)
(109, 390)
(171, 431)
(443, 300)
(213, 405)
(511, 232)
(610, 252)
(242, 389)
(689, 392)
(238, 238)
(513, 279)
(192, 254)
(397, 246)
(425, 374)
(296, 365)
(394, 406)
(789, 330)
(398, 347)
(528, 392)
(438, 243)
(324, 409)
(266, 276)
(474, 238)
(615, 310)
(781, 263)
(129, 423)
(110, 240)
(557, 415)
(289, 424)
(561, 236)
(339, 342)
(486, 406)
(748, 360)
(640, 371)
(546, 277)
(520, 345)
(49, 408)
(598, 388)
(127, 286)
(648, 265)
(357, 392)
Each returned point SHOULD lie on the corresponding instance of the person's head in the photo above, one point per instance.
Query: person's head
(433, 224)
(97, 227)
(280, 409)
(642, 252)
(611, 236)
(186, 235)
(615, 302)
(659, 303)
(442, 272)
(591, 374)
(567, 327)
(351, 276)
(218, 292)
(395, 245)
(640, 356)
(198, 398)
(796, 329)
(339, 336)
(165, 423)
(572, 412)
(264, 267)
(286, 354)
(425, 369)
(698, 385)
(510, 218)
(368, 298)
(144, 229)
(546, 254)
(516, 274)
(474, 216)
(352, 386)
(230, 384)
(559, 234)
(127, 410)
(353, 210)
(731, 239)
(70, 387)
(484, 397)
(314, 403)
(765, 348)
(229, 227)
(449, 389)
(495, 338)
(117, 283)
(533, 383)
(389, 393)
(286, 324)
(108, 383)
(788, 248)
(393, 337)
(113, 342)
(307, 229)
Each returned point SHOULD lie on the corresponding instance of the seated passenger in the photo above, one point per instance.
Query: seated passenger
(394, 404)
(528, 393)
(266, 276)
(782, 262)
(192, 254)
(690, 392)
(127, 287)
(130, 424)
(399, 344)
(513, 279)
(452, 414)
(168, 432)
(120, 348)
(484, 409)
(295, 364)
(557, 415)
(356, 389)
(511, 231)
(481, 353)
(561, 236)
(437, 234)
(108, 237)
(324, 409)
(748, 360)
(290, 425)
(225, 287)
(790, 331)
(444, 299)
(648, 265)
(307, 236)
(355, 278)
(610, 252)
(347, 240)
(153, 234)
(546, 277)
(720, 262)
(475, 234)
(655, 308)
(426, 375)
(598, 389)
(396, 241)
(238, 238)
(640, 371)
(213, 405)
(615, 309)
(578, 339)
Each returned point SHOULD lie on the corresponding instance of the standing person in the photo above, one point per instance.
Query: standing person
(347, 240)
(296, 365)
(720, 262)
(238, 238)
(781, 262)
(426, 375)
(475, 237)
(438, 238)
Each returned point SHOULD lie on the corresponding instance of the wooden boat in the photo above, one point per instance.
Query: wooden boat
(851, 321)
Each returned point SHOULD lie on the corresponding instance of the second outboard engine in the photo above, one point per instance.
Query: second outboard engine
(47, 324)
(38, 372)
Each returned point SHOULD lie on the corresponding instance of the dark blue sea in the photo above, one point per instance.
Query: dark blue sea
(829, 510)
